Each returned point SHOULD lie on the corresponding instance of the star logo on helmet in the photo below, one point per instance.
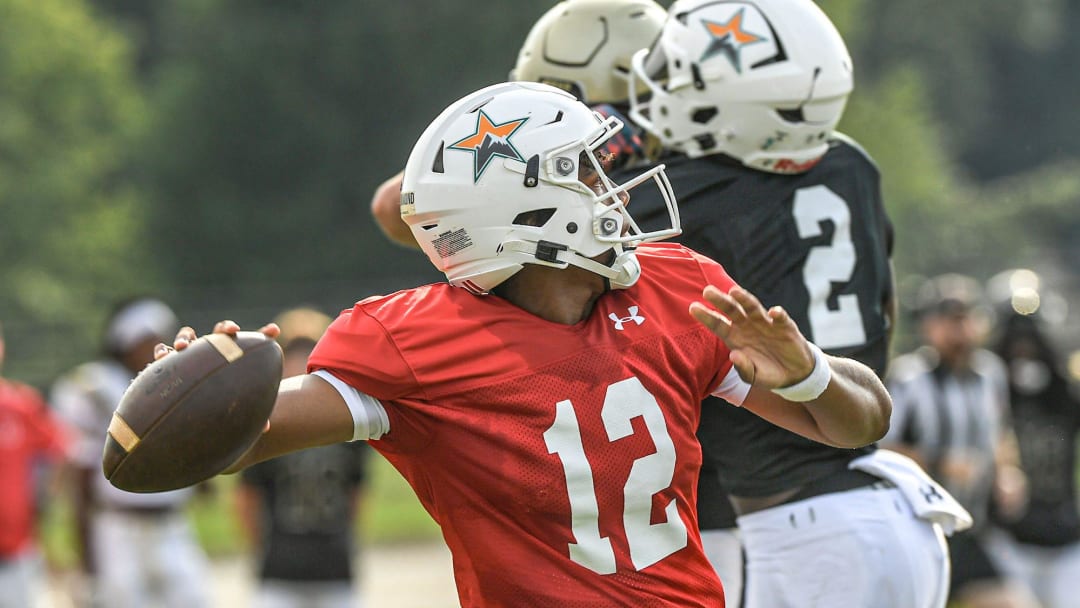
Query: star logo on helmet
(490, 139)
(728, 39)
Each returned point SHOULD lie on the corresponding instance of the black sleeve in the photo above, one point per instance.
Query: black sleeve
(256, 475)
(360, 453)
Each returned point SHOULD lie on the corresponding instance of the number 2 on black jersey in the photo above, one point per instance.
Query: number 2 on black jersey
(826, 265)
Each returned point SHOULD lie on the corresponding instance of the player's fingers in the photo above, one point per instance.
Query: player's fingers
(749, 303)
(185, 336)
(710, 318)
(780, 316)
(270, 330)
(724, 303)
(744, 365)
(161, 349)
(226, 327)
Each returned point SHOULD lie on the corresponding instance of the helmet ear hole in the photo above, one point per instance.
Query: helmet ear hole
(792, 115)
(536, 217)
(704, 115)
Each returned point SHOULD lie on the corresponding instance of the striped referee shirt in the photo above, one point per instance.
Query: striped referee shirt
(942, 413)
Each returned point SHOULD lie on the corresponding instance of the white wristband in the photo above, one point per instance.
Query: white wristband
(810, 387)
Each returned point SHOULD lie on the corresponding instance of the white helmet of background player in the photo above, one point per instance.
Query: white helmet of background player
(492, 184)
(584, 46)
(763, 81)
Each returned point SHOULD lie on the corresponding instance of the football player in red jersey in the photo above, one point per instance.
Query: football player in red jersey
(543, 404)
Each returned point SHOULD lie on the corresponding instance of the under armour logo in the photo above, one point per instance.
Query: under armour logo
(930, 493)
(636, 318)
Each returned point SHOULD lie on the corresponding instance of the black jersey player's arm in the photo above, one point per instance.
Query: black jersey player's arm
(769, 352)
(891, 308)
(387, 212)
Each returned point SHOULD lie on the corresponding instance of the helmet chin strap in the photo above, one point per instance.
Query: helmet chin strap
(623, 272)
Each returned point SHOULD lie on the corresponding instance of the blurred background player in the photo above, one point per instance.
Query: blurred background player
(582, 47)
(744, 98)
(299, 510)
(137, 549)
(1041, 544)
(951, 414)
(30, 439)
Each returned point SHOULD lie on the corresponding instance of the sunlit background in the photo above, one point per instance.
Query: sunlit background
(223, 153)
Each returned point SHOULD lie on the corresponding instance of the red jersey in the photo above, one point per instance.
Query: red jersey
(559, 460)
(28, 431)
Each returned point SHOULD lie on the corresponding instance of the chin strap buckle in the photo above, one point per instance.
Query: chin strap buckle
(546, 251)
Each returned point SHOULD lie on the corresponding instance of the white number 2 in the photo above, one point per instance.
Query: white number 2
(648, 542)
(828, 264)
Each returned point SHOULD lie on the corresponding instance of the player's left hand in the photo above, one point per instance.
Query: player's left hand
(187, 335)
(767, 348)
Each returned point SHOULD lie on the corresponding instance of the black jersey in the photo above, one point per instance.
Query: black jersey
(1046, 423)
(816, 243)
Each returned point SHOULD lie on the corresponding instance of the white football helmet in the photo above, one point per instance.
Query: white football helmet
(584, 46)
(493, 184)
(763, 81)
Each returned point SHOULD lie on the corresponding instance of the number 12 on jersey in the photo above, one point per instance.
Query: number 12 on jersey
(648, 542)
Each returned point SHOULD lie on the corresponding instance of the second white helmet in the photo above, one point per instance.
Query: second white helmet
(584, 46)
(763, 81)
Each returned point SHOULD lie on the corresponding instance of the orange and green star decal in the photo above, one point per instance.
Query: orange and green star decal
(488, 140)
(729, 38)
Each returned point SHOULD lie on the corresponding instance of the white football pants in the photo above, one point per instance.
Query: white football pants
(298, 594)
(22, 581)
(861, 548)
(724, 550)
(1052, 573)
(141, 558)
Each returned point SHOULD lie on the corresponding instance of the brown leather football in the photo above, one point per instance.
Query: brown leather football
(188, 416)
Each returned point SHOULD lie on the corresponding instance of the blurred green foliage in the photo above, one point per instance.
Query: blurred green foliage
(223, 152)
(71, 226)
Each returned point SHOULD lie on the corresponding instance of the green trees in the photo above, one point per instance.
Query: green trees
(71, 225)
(224, 153)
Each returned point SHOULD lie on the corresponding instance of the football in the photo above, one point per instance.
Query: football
(189, 415)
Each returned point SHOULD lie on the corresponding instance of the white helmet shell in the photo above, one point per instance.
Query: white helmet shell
(763, 81)
(585, 46)
(493, 183)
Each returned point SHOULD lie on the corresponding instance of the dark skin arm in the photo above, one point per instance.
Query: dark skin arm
(308, 412)
(768, 351)
(387, 213)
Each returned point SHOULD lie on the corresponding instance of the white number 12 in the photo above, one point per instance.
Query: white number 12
(649, 543)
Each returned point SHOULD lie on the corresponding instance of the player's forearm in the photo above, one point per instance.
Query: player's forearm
(853, 411)
(855, 408)
(385, 208)
(308, 413)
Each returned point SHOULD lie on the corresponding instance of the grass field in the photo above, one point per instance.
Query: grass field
(390, 514)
